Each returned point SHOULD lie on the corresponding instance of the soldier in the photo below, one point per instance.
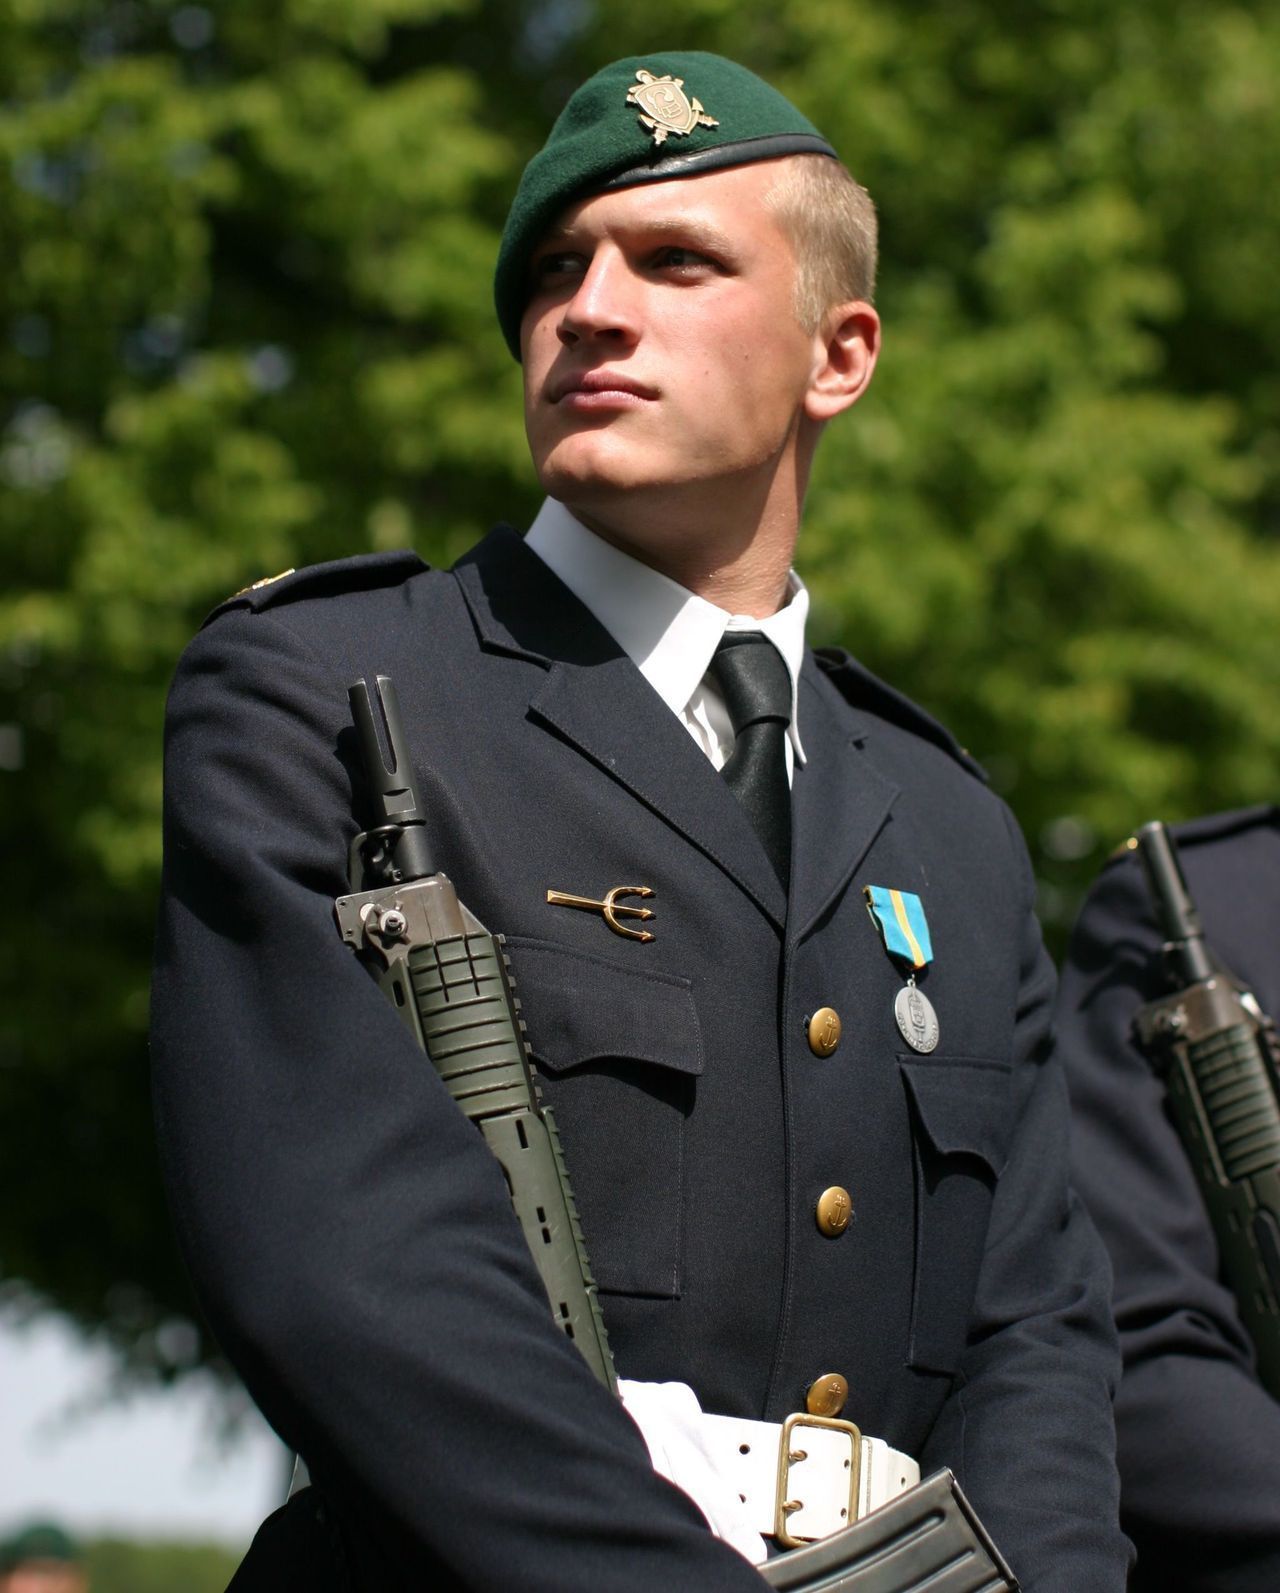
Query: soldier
(41, 1558)
(812, 1120)
(1197, 1432)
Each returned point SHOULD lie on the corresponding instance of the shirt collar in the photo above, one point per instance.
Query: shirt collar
(669, 633)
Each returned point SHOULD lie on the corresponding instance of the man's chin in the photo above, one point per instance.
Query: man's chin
(590, 476)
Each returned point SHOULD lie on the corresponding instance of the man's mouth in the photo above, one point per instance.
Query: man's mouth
(600, 389)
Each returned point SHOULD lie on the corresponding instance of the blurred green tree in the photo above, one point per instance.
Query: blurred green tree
(117, 1565)
(244, 324)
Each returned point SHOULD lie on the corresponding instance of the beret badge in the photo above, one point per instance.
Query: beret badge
(665, 107)
(635, 121)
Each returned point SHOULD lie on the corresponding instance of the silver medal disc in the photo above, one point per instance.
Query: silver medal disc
(916, 1018)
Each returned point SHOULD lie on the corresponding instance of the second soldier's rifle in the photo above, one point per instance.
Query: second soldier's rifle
(450, 981)
(1217, 1053)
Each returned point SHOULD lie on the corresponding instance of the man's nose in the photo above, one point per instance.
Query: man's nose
(605, 304)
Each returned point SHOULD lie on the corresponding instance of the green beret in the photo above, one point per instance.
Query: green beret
(41, 1541)
(648, 118)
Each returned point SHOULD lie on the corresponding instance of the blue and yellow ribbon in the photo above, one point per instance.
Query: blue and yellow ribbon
(899, 916)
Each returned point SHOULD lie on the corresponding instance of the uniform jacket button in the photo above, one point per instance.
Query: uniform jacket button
(827, 1395)
(834, 1210)
(824, 1031)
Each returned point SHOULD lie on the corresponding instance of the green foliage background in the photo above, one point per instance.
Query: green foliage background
(114, 1565)
(244, 324)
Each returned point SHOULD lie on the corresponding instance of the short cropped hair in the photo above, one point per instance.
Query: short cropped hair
(831, 222)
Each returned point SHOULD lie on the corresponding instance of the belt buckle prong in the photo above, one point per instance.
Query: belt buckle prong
(789, 1456)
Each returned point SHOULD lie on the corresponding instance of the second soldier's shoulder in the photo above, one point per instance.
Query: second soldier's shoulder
(1210, 830)
(1213, 827)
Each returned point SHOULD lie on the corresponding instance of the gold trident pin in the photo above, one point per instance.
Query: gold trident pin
(611, 908)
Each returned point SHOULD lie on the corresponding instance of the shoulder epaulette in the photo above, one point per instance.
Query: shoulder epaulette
(1209, 827)
(865, 690)
(360, 573)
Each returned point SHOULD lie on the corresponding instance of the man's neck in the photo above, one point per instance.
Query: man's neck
(739, 563)
(670, 634)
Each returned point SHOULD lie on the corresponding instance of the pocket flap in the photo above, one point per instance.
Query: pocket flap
(963, 1106)
(582, 1008)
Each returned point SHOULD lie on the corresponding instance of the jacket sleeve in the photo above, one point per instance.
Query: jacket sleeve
(348, 1232)
(1030, 1417)
(1196, 1430)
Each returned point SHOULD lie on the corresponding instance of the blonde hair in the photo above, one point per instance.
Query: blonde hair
(831, 222)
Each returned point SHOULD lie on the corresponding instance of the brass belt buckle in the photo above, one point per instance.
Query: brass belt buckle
(789, 1456)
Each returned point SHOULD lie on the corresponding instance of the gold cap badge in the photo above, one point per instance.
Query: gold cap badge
(665, 107)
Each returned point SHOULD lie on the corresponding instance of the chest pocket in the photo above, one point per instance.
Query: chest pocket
(618, 1053)
(961, 1120)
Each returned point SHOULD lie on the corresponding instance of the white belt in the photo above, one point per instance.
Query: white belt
(807, 1477)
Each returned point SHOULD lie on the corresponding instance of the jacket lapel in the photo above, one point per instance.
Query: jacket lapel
(839, 801)
(591, 695)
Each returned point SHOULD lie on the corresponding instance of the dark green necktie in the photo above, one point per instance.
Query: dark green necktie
(756, 687)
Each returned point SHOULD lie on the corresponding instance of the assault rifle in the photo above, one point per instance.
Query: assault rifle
(450, 981)
(1217, 1053)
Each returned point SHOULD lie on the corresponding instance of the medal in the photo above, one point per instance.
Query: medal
(899, 916)
(916, 1017)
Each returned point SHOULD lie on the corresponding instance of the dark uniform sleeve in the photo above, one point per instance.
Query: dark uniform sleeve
(349, 1234)
(1198, 1436)
(1031, 1418)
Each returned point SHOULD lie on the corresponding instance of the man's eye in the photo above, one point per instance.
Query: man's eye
(557, 267)
(674, 258)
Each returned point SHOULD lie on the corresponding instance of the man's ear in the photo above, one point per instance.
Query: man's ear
(845, 350)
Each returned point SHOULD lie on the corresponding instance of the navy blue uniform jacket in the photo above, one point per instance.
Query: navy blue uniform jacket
(348, 1231)
(1199, 1437)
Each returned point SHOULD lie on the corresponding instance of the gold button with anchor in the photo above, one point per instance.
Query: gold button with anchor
(827, 1394)
(834, 1211)
(824, 1031)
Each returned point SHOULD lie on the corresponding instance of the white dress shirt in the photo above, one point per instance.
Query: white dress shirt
(669, 633)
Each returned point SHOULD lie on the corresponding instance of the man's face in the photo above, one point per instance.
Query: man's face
(660, 342)
(44, 1576)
